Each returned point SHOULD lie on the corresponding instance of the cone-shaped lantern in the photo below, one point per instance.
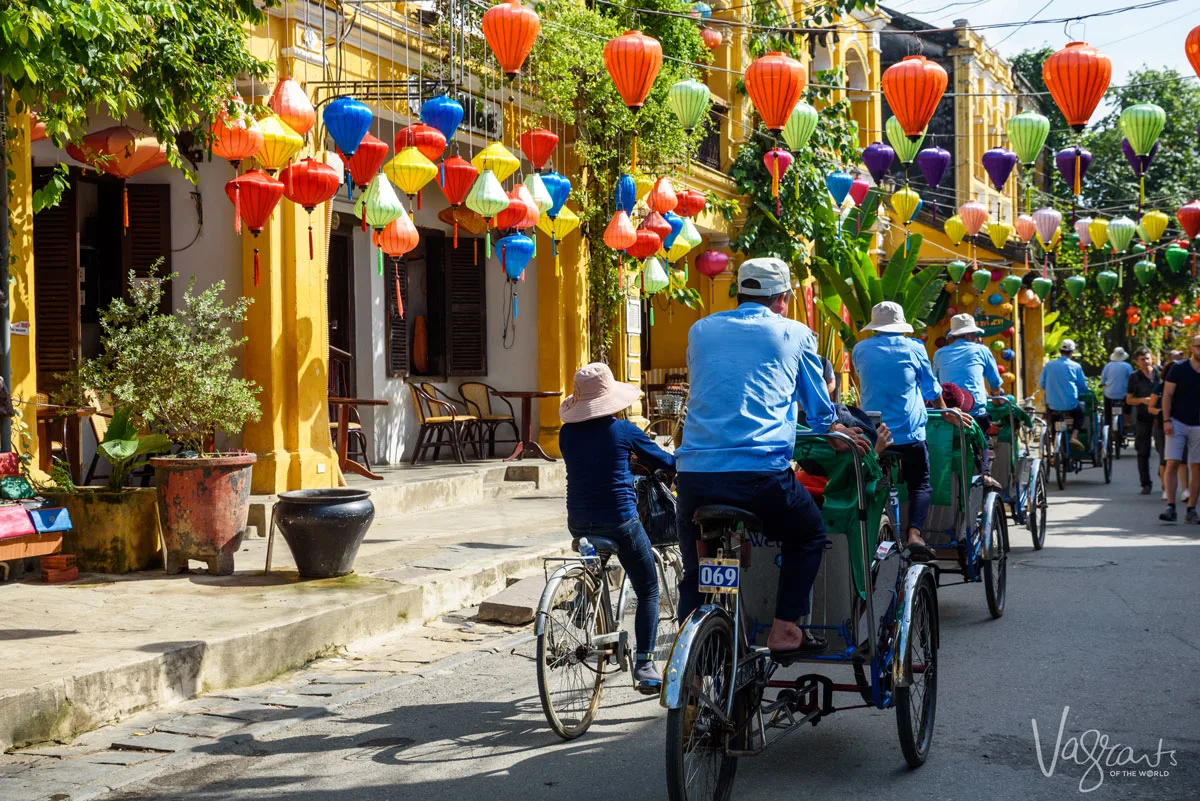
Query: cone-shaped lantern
(878, 158)
(838, 183)
(913, 87)
(308, 183)
(905, 147)
(558, 229)
(379, 206)
(954, 228)
(999, 164)
(254, 196)
(801, 124)
(498, 159)
(510, 30)
(347, 120)
(1155, 225)
(633, 60)
(998, 232)
(774, 83)
(410, 171)
(625, 194)
(120, 152)
(291, 104)
(777, 161)
(444, 113)
(559, 187)
(859, 190)
(933, 162)
(620, 233)
(1010, 285)
(1027, 134)
(487, 197)
(662, 197)
(1077, 77)
(1144, 271)
(538, 146)
(689, 101)
(280, 143)
(425, 138)
(1098, 229)
(1107, 281)
(537, 190)
(1075, 285)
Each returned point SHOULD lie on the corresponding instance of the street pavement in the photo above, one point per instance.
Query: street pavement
(1100, 627)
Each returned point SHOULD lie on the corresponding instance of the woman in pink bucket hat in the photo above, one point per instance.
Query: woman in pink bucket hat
(596, 446)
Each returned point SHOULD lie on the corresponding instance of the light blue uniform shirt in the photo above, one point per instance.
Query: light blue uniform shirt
(1115, 379)
(1063, 381)
(748, 368)
(967, 364)
(895, 379)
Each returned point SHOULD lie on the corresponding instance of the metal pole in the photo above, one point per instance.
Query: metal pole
(5, 364)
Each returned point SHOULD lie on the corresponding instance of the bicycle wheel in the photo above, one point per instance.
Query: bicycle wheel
(570, 675)
(916, 705)
(670, 572)
(995, 570)
(662, 431)
(697, 767)
(1037, 512)
(1060, 467)
(1108, 461)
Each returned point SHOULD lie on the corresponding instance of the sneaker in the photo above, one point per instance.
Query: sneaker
(1164, 495)
(1146, 490)
(1185, 494)
(1192, 517)
(1170, 515)
(646, 678)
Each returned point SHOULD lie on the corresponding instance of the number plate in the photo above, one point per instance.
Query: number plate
(719, 575)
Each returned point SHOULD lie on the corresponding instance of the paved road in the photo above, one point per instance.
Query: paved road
(1103, 621)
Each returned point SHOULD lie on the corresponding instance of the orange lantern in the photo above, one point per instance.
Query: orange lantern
(774, 83)
(510, 30)
(913, 87)
(121, 152)
(397, 238)
(1192, 47)
(291, 104)
(1077, 77)
(662, 197)
(234, 139)
(633, 60)
(712, 38)
(37, 128)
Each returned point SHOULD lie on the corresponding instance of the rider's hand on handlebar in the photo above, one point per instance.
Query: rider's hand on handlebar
(883, 439)
(958, 417)
(861, 443)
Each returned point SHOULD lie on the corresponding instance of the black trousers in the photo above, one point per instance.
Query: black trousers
(1143, 440)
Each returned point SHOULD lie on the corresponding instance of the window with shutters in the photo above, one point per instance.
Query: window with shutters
(148, 237)
(56, 285)
(466, 310)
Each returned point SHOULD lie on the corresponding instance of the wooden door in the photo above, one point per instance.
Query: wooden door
(339, 300)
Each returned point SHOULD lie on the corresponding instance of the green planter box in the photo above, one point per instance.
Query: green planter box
(114, 532)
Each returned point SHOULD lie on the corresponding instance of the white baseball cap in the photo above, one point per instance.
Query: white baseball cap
(764, 277)
(888, 318)
(1067, 346)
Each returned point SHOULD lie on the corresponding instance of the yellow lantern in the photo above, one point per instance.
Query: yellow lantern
(905, 202)
(967, 298)
(1154, 223)
(410, 170)
(954, 229)
(1098, 228)
(280, 143)
(1006, 307)
(998, 232)
(497, 158)
(644, 184)
(558, 229)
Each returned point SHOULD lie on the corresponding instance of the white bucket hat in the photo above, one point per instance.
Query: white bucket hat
(597, 394)
(888, 318)
(1118, 355)
(963, 324)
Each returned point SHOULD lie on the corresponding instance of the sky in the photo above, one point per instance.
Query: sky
(1151, 36)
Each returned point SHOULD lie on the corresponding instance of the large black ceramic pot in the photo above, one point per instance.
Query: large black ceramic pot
(324, 527)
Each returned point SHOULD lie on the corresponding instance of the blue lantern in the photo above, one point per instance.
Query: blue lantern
(559, 188)
(625, 194)
(702, 10)
(1008, 354)
(995, 298)
(917, 210)
(676, 223)
(838, 183)
(347, 121)
(515, 252)
(444, 113)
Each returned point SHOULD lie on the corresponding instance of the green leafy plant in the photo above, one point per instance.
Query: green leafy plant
(123, 444)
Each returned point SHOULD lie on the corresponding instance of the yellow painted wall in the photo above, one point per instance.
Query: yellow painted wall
(20, 205)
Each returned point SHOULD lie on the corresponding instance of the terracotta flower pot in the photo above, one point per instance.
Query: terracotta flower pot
(202, 506)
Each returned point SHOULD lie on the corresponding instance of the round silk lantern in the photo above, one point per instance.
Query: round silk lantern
(510, 30)
(236, 137)
(456, 178)
(1191, 46)
(973, 215)
(905, 202)
(1083, 232)
(620, 233)
(801, 124)
(1041, 287)
(954, 228)
(254, 196)
(997, 345)
(777, 161)
(956, 269)
(559, 187)
(838, 183)
(995, 299)
(711, 38)
(980, 279)
(644, 184)
(122, 153)
(425, 138)
(487, 198)
(1008, 354)
(1010, 285)
(1155, 225)
(280, 143)
(1107, 281)
(859, 190)
(1098, 232)
(774, 83)
(1025, 227)
(878, 159)
(906, 149)
(367, 159)
(1189, 218)
(308, 183)
(967, 298)
(1144, 272)
(646, 243)
(1075, 285)
(291, 104)
(633, 60)
(913, 87)
(625, 194)
(347, 120)
(676, 223)
(1077, 77)
(1142, 123)
(378, 206)
(691, 202)
(1120, 233)
(1047, 221)
(658, 224)
(395, 240)
(689, 100)
(999, 164)
(712, 263)
(443, 113)
(537, 190)
(1027, 132)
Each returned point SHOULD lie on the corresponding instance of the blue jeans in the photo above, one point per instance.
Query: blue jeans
(789, 515)
(914, 469)
(635, 555)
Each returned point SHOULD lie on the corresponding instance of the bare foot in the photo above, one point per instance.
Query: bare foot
(785, 636)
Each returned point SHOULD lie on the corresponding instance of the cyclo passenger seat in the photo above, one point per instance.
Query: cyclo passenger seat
(717, 518)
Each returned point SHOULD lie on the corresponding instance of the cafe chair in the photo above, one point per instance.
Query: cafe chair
(58, 447)
(481, 403)
(99, 425)
(441, 424)
(356, 438)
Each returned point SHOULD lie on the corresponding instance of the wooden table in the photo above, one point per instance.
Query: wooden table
(47, 415)
(527, 448)
(343, 434)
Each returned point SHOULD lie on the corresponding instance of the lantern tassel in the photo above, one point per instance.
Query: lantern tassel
(633, 157)
(1141, 194)
(456, 233)
(379, 260)
(256, 266)
(364, 218)
(418, 200)
(487, 246)
(237, 209)
(516, 311)
(349, 186)
(1077, 176)
(310, 242)
(125, 199)
(399, 296)
(652, 313)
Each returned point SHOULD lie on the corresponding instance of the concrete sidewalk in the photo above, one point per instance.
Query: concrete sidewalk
(75, 657)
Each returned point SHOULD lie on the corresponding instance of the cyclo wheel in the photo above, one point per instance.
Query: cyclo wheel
(1037, 512)
(570, 678)
(995, 573)
(697, 767)
(662, 431)
(916, 705)
(1060, 466)
(1108, 464)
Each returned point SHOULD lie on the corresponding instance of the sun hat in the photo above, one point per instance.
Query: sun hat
(888, 318)
(1067, 346)
(963, 324)
(1118, 355)
(764, 277)
(597, 394)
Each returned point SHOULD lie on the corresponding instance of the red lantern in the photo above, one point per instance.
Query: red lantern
(1108, 312)
(662, 197)
(291, 104)
(309, 183)
(712, 38)
(1189, 218)
(367, 159)
(774, 83)
(457, 175)
(428, 140)
(1164, 307)
(658, 224)
(37, 128)
(1192, 47)
(516, 216)
(646, 245)
(121, 152)
(712, 263)
(254, 196)
(1077, 77)
(913, 87)
(691, 202)
(538, 146)
(510, 29)
(633, 60)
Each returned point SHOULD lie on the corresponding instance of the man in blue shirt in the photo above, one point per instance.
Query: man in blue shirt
(1063, 381)
(966, 362)
(1114, 378)
(747, 369)
(895, 379)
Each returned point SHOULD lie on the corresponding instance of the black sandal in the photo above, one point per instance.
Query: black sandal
(812, 646)
(920, 553)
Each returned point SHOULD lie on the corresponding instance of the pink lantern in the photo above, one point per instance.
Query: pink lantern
(712, 262)
(1084, 233)
(859, 189)
(973, 215)
(997, 275)
(1025, 228)
(1046, 221)
(777, 162)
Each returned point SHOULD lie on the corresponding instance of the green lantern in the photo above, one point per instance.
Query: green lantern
(1142, 125)
(980, 279)
(379, 206)
(800, 126)
(1107, 281)
(1120, 233)
(1041, 287)
(1027, 134)
(1075, 285)
(906, 150)
(1176, 257)
(689, 100)
(957, 269)
(997, 345)
(1144, 271)
(1011, 285)
(487, 198)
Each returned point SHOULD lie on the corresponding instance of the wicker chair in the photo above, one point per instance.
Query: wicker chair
(439, 418)
(479, 400)
(99, 424)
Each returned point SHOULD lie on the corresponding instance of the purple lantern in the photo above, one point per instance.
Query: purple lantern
(934, 161)
(878, 158)
(1139, 163)
(999, 164)
(1065, 160)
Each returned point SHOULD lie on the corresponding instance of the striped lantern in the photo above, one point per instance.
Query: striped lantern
(365, 163)
(1027, 133)
(905, 147)
(497, 159)
(913, 87)
(291, 104)
(280, 143)
(689, 100)
(1077, 77)
(510, 30)
(775, 82)
(410, 171)
(379, 206)
(801, 125)
(309, 183)
(254, 196)
(237, 137)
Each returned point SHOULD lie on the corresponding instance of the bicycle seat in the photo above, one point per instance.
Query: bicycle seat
(722, 513)
(603, 545)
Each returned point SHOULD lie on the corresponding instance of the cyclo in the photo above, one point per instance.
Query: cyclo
(1018, 463)
(721, 687)
(1094, 436)
(966, 528)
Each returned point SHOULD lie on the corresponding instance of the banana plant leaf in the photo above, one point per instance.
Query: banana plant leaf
(831, 278)
(899, 271)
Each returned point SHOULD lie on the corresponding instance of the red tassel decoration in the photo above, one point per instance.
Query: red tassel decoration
(364, 221)
(399, 297)
(126, 202)
(256, 266)
(418, 200)
(237, 209)
(310, 246)
(456, 234)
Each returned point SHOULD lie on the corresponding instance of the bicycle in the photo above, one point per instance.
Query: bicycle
(668, 416)
(1116, 439)
(579, 631)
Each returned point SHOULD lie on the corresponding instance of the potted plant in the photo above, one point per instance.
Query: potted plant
(174, 373)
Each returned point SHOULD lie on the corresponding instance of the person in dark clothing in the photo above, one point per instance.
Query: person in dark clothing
(1181, 426)
(596, 447)
(1141, 387)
